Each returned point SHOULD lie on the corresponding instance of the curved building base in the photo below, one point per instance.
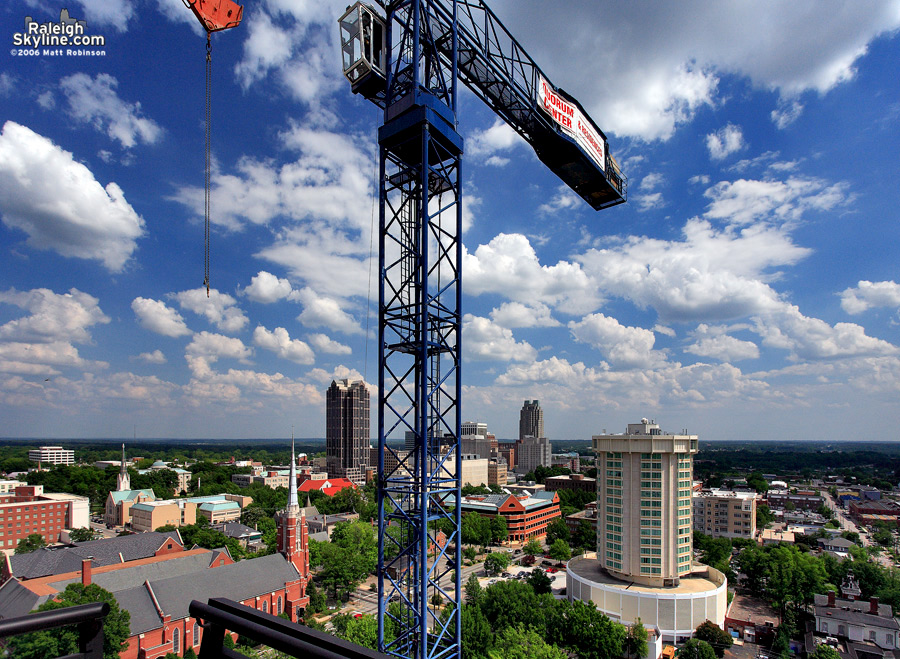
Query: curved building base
(677, 611)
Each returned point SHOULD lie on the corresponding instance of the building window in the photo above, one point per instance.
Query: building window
(279, 605)
(176, 641)
(265, 606)
(196, 634)
(842, 631)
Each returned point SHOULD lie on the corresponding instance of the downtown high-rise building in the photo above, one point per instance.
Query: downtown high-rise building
(531, 420)
(533, 452)
(644, 528)
(347, 430)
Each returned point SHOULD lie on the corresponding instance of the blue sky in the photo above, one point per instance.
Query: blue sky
(747, 290)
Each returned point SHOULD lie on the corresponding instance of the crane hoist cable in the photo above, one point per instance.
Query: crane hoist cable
(206, 181)
(214, 15)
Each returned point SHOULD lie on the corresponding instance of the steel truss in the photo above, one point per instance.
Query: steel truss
(420, 249)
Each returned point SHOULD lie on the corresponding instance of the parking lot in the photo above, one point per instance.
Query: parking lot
(557, 577)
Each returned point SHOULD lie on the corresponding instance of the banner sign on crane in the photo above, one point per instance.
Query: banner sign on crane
(573, 122)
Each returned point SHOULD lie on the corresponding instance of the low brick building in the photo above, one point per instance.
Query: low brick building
(26, 510)
(526, 515)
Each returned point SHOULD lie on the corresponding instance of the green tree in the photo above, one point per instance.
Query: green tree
(764, 516)
(696, 649)
(63, 641)
(719, 639)
(584, 631)
(532, 547)
(523, 643)
(362, 631)
(560, 550)
(824, 651)
(84, 534)
(585, 536)
(635, 643)
(317, 599)
(557, 529)
(29, 543)
(782, 643)
(883, 537)
(476, 530)
(477, 636)
(473, 590)
(509, 603)
(758, 483)
(539, 581)
(496, 562)
(499, 530)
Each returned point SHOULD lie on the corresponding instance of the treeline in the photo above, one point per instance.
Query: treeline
(876, 463)
(15, 452)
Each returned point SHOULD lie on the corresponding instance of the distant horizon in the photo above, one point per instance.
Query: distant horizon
(318, 440)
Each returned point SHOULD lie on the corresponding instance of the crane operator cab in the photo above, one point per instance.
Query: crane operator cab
(363, 50)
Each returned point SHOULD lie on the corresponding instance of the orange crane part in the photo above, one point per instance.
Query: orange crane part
(215, 15)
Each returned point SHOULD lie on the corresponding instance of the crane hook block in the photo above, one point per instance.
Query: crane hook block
(215, 15)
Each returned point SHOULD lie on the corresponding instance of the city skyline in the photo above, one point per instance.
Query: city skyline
(747, 290)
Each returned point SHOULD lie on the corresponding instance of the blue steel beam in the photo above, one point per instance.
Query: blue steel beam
(420, 218)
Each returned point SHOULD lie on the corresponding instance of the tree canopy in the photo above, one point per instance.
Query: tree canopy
(64, 641)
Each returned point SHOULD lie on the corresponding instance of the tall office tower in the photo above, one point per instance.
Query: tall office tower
(533, 452)
(347, 430)
(644, 504)
(531, 420)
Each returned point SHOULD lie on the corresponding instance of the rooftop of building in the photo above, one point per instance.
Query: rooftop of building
(856, 612)
(492, 502)
(219, 506)
(886, 505)
(718, 493)
(109, 551)
(130, 495)
(588, 567)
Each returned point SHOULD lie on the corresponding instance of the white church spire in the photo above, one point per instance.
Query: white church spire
(293, 505)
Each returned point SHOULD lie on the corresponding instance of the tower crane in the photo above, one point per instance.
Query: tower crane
(408, 61)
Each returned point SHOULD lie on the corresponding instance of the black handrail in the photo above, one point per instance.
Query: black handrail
(221, 614)
(88, 617)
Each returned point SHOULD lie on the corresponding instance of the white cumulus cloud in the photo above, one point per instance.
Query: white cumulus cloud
(870, 294)
(95, 101)
(725, 141)
(266, 288)
(156, 316)
(60, 205)
(484, 340)
(218, 308)
(623, 347)
(280, 342)
(324, 343)
(714, 342)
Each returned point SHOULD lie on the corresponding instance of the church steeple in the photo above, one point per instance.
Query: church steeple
(292, 531)
(123, 480)
(293, 506)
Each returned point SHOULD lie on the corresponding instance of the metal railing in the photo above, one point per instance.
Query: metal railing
(220, 614)
(87, 617)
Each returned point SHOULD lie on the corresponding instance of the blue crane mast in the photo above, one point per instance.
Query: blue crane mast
(409, 63)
